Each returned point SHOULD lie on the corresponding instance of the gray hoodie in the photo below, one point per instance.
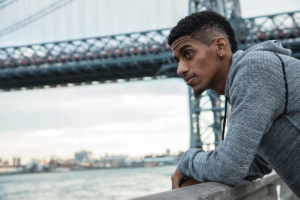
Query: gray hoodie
(263, 88)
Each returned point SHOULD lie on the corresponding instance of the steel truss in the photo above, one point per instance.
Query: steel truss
(284, 27)
(127, 56)
(206, 115)
(124, 56)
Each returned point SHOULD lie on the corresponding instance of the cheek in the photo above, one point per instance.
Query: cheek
(205, 67)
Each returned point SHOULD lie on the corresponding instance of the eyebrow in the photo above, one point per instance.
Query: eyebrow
(181, 49)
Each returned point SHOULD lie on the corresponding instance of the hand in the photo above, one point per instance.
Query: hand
(188, 182)
(176, 179)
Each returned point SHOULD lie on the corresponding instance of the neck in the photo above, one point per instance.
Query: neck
(221, 78)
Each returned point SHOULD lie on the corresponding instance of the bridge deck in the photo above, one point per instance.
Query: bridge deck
(125, 56)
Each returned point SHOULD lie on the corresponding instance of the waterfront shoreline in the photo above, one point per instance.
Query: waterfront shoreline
(80, 169)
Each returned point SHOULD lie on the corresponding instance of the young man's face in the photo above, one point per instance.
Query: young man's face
(197, 63)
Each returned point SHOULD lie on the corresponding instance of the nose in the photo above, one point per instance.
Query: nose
(182, 69)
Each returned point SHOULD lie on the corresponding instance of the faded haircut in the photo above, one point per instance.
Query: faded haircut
(204, 26)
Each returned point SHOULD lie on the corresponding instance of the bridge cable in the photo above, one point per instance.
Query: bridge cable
(2, 1)
(53, 7)
(10, 2)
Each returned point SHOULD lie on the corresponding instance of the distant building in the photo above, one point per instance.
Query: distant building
(6, 163)
(16, 162)
(67, 164)
(168, 152)
(84, 156)
(112, 161)
(118, 158)
(166, 159)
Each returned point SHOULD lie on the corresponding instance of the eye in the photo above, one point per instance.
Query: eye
(188, 54)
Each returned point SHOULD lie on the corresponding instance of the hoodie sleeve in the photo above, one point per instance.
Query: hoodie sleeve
(258, 168)
(257, 96)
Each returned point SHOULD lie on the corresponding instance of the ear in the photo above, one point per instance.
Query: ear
(221, 44)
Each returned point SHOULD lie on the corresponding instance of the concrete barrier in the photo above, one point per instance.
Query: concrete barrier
(271, 187)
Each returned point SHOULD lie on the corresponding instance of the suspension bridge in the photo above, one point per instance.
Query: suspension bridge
(135, 56)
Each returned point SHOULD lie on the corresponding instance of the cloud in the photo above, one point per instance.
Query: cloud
(47, 133)
(129, 118)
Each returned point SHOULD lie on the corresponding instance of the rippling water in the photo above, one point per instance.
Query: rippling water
(103, 184)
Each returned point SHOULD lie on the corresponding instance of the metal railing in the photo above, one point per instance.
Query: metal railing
(271, 187)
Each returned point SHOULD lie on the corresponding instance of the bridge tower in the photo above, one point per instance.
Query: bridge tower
(207, 112)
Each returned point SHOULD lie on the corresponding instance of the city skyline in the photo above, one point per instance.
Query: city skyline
(17, 161)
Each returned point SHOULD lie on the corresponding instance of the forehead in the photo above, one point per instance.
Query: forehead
(185, 40)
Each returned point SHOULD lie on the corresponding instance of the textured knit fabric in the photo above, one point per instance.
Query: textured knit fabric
(260, 135)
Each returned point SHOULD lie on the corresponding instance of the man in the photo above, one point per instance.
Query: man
(262, 84)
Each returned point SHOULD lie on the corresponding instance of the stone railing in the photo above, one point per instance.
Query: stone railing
(271, 187)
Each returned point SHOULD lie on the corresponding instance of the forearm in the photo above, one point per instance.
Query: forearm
(212, 167)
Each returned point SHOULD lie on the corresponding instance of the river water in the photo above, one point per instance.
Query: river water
(103, 184)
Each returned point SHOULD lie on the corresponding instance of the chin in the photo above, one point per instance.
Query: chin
(198, 92)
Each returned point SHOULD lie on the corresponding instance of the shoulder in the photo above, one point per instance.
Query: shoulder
(258, 71)
(259, 61)
(258, 64)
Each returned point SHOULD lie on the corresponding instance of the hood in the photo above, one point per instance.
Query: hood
(271, 46)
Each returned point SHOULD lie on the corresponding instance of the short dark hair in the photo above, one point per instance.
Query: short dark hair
(200, 26)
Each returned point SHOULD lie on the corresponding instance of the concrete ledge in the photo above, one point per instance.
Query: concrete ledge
(263, 189)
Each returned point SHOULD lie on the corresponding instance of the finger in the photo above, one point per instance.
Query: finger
(182, 181)
(188, 182)
(173, 187)
(177, 183)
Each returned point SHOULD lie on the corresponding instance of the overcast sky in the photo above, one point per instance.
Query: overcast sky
(134, 118)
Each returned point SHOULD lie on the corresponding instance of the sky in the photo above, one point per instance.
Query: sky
(132, 118)
(129, 118)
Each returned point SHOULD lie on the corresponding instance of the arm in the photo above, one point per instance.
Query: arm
(258, 168)
(257, 96)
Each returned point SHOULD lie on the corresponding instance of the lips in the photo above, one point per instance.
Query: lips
(189, 80)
